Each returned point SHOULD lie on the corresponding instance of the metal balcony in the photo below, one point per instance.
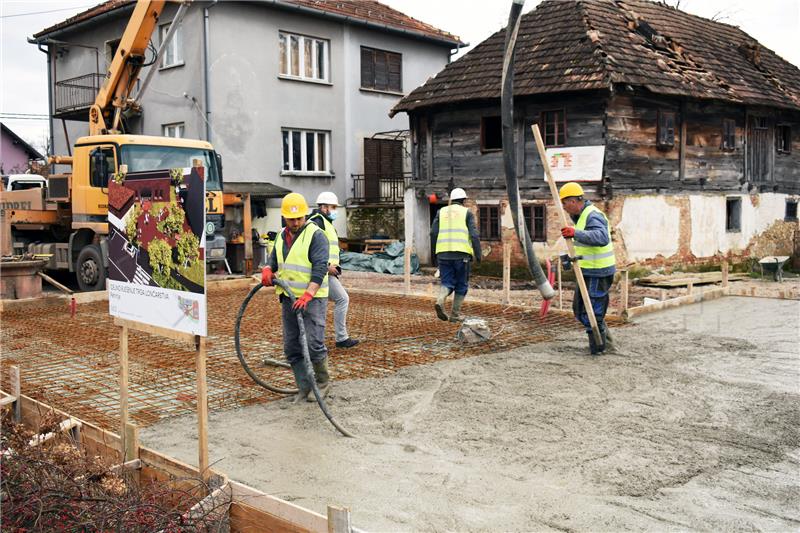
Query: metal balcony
(74, 97)
(378, 191)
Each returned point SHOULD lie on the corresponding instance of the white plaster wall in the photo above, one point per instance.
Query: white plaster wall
(649, 227)
(417, 224)
(708, 222)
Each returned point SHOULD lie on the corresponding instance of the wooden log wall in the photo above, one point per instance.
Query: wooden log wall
(786, 171)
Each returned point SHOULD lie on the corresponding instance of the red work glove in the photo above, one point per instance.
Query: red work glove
(568, 233)
(266, 276)
(302, 302)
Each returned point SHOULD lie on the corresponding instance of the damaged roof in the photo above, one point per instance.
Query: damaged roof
(593, 44)
(368, 12)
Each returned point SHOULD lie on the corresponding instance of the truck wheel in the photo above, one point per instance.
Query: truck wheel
(89, 269)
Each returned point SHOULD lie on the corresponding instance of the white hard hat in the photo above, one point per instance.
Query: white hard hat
(327, 197)
(458, 194)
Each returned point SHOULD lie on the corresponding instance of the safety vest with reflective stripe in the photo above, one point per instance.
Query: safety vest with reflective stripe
(453, 232)
(295, 268)
(594, 257)
(333, 238)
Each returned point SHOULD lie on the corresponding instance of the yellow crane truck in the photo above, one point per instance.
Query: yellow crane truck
(67, 221)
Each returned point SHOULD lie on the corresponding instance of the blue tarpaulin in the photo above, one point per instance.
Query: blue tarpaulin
(390, 261)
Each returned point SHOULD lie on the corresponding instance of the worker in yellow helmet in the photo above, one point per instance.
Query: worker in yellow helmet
(593, 247)
(300, 258)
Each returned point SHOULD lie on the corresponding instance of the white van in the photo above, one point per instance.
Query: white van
(20, 182)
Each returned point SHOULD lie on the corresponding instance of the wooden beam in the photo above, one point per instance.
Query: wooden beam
(123, 389)
(5, 400)
(188, 338)
(65, 425)
(54, 283)
(724, 273)
(625, 288)
(339, 520)
(293, 514)
(698, 297)
(202, 410)
(131, 442)
(506, 273)
(560, 288)
(247, 218)
(682, 145)
(16, 391)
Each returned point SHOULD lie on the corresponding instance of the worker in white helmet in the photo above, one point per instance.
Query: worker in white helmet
(457, 244)
(323, 216)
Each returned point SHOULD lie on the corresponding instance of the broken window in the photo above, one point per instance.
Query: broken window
(302, 57)
(666, 129)
(305, 151)
(728, 134)
(783, 138)
(381, 70)
(173, 55)
(733, 214)
(554, 127)
(489, 220)
(491, 134)
(535, 216)
(791, 211)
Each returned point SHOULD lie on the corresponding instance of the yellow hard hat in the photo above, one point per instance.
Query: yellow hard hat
(570, 189)
(294, 205)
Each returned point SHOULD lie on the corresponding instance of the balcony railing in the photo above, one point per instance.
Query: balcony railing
(382, 191)
(77, 94)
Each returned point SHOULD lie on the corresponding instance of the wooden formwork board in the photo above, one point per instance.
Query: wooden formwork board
(697, 297)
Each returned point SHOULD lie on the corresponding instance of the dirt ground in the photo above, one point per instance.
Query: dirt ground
(693, 424)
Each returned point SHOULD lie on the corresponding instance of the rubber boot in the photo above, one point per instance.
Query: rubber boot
(323, 379)
(593, 347)
(301, 379)
(444, 292)
(610, 344)
(455, 314)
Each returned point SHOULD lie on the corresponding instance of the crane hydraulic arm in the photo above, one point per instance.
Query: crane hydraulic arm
(115, 95)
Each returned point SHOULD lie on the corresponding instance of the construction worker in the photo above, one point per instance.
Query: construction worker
(300, 258)
(457, 243)
(323, 216)
(595, 251)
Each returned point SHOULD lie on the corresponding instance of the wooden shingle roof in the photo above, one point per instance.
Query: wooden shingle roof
(591, 44)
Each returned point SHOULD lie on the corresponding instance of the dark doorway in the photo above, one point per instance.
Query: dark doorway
(759, 151)
(383, 167)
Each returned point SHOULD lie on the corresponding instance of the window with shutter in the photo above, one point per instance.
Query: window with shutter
(666, 129)
(381, 70)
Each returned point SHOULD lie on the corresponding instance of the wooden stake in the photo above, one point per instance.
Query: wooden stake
(16, 390)
(587, 302)
(724, 273)
(123, 388)
(560, 291)
(131, 442)
(407, 268)
(339, 520)
(248, 236)
(202, 409)
(506, 273)
(625, 281)
(689, 287)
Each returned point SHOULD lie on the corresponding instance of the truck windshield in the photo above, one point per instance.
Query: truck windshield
(141, 158)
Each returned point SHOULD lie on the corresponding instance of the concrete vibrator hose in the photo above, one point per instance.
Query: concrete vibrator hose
(510, 154)
(306, 356)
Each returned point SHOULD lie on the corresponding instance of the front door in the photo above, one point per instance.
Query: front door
(759, 151)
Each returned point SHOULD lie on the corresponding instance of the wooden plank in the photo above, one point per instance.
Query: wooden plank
(506, 273)
(123, 389)
(560, 288)
(682, 145)
(156, 330)
(65, 425)
(16, 391)
(131, 442)
(247, 228)
(339, 520)
(300, 517)
(215, 504)
(247, 519)
(677, 302)
(625, 287)
(5, 400)
(724, 273)
(54, 283)
(202, 410)
(134, 464)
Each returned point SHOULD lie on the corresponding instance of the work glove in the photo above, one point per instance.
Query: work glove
(568, 232)
(302, 302)
(266, 276)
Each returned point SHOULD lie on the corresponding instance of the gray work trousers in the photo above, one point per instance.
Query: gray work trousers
(314, 321)
(341, 302)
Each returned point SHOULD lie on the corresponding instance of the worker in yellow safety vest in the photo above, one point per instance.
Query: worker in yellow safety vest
(300, 258)
(323, 216)
(457, 244)
(595, 252)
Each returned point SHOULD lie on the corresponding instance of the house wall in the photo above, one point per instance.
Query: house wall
(13, 158)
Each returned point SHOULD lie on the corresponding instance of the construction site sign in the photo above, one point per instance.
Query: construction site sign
(156, 245)
(576, 163)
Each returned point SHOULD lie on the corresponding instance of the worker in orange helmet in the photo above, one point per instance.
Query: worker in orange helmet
(300, 258)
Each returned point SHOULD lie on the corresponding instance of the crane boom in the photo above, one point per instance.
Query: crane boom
(114, 95)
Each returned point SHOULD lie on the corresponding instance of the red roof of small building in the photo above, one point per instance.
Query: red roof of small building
(357, 11)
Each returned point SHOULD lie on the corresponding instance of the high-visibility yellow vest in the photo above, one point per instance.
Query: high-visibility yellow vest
(594, 257)
(295, 269)
(333, 238)
(453, 232)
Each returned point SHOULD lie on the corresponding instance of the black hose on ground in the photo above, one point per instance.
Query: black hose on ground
(510, 153)
(309, 369)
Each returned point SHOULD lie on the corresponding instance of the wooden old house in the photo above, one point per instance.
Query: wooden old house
(696, 124)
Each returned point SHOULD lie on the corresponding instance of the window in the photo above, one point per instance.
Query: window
(665, 132)
(101, 166)
(303, 58)
(306, 151)
(489, 222)
(791, 211)
(783, 138)
(554, 127)
(174, 130)
(491, 134)
(536, 217)
(172, 53)
(111, 49)
(381, 70)
(733, 214)
(728, 134)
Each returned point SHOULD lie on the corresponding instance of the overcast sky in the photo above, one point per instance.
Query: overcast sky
(775, 23)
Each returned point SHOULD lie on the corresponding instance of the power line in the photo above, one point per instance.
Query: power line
(44, 12)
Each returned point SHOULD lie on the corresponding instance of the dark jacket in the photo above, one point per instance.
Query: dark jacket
(474, 237)
(594, 234)
(318, 254)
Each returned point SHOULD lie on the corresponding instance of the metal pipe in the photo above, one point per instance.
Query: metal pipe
(206, 73)
(510, 153)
